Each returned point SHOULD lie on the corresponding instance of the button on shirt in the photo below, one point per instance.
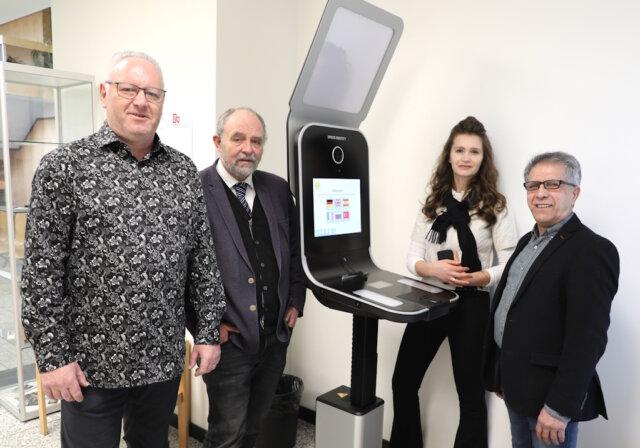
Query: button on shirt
(519, 269)
(114, 247)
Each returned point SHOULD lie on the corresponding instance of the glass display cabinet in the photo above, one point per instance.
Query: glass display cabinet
(40, 108)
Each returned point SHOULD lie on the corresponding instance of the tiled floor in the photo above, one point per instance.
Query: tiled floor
(15, 434)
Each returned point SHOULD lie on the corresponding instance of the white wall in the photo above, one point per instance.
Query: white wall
(257, 66)
(541, 76)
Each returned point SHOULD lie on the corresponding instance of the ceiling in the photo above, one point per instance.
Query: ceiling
(14, 9)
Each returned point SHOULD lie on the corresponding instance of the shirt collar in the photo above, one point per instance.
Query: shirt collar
(459, 195)
(105, 137)
(551, 231)
(228, 179)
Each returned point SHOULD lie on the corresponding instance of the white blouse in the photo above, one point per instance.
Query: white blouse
(499, 240)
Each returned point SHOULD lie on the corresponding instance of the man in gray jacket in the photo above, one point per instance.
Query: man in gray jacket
(255, 232)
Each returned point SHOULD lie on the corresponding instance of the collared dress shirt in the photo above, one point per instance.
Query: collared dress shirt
(114, 247)
(230, 181)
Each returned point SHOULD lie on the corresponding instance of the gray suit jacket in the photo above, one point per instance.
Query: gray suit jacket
(235, 268)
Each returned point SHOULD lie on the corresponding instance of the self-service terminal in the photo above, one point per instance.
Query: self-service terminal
(329, 174)
(333, 200)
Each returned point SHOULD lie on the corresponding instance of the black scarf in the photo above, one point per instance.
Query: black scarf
(456, 215)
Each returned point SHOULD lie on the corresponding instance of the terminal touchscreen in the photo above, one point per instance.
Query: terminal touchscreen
(336, 207)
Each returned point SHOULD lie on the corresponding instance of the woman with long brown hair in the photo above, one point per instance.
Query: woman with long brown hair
(463, 223)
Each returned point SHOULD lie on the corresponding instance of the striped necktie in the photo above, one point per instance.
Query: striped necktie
(241, 190)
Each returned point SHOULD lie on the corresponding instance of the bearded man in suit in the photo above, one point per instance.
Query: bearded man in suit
(253, 221)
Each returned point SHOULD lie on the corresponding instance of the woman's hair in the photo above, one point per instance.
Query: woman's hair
(483, 198)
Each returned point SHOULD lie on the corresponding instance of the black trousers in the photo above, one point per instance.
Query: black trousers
(240, 392)
(464, 326)
(96, 422)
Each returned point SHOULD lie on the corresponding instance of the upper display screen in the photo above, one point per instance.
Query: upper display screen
(349, 60)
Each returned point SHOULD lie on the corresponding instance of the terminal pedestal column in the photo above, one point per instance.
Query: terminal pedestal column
(352, 417)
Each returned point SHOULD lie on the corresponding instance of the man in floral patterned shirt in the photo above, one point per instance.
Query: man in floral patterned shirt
(117, 240)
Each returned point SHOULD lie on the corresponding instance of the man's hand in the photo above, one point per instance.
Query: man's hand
(291, 316)
(225, 329)
(209, 358)
(64, 383)
(550, 429)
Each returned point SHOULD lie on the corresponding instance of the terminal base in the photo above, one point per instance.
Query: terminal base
(340, 424)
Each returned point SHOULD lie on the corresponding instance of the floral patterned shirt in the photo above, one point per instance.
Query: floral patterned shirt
(114, 247)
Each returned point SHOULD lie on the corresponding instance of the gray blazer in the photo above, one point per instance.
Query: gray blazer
(233, 261)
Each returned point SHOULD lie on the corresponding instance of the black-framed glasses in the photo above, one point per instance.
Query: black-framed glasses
(130, 91)
(551, 184)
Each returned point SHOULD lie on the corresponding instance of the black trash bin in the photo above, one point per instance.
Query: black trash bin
(280, 426)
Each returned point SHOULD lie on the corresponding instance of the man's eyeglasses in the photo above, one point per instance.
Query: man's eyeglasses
(551, 184)
(130, 91)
